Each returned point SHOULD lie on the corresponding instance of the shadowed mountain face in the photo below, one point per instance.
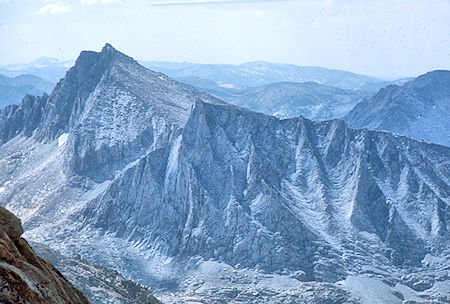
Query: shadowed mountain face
(419, 109)
(187, 194)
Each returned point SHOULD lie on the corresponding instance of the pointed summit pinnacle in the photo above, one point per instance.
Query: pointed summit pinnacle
(108, 48)
(110, 52)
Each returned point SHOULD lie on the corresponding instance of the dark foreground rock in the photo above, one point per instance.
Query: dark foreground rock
(24, 276)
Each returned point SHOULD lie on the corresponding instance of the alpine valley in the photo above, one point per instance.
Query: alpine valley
(207, 202)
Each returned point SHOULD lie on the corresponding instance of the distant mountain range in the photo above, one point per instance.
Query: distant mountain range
(286, 99)
(242, 76)
(274, 89)
(49, 69)
(209, 202)
(419, 109)
(259, 73)
(12, 90)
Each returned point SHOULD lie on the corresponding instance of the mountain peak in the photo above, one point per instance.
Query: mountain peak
(78, 83)
(107, 48)
(100, 81)
(107, 55)
(109, 51)
(418, 109)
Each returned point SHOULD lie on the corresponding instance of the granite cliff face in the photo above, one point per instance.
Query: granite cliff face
(24, 276)
(205, 201)
(418, 109)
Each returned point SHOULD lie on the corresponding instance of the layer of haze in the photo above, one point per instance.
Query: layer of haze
(387, 38)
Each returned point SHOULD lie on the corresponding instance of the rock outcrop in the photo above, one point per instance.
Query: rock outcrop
(24, 276)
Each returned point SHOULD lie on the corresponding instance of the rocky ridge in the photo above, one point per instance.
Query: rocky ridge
(418, 109)
(12, 90)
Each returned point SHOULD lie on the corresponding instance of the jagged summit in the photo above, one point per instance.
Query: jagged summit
(90, 66)
(116, 81)
(106, 102)
(107, 55)
(109, 50)
(108, 47)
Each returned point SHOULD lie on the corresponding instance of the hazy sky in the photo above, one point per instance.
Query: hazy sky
(387, 38)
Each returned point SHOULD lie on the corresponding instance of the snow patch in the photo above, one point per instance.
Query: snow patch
(428, 260)
(173, 156)
(369, 290)
(96, 191)
(226, 85)
(62, 139)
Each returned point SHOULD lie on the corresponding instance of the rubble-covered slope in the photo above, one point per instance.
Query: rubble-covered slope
(98, 283)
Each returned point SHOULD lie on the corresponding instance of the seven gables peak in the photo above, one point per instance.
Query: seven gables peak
(139, 172)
